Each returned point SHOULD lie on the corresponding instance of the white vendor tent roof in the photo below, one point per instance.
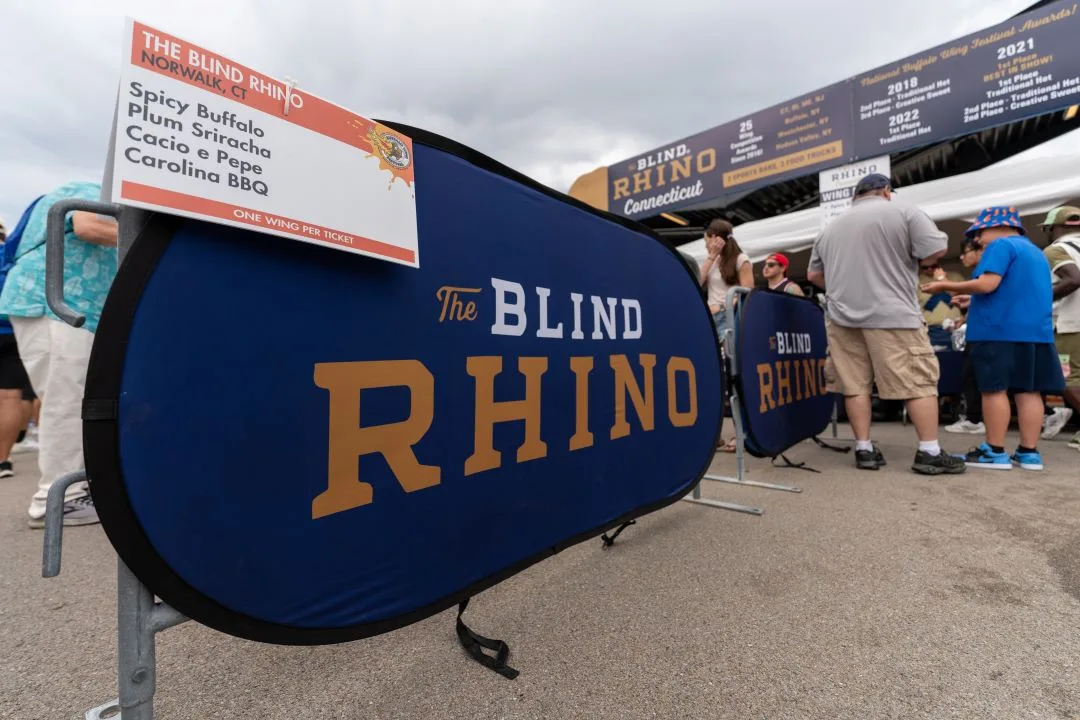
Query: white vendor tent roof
(1034, 182)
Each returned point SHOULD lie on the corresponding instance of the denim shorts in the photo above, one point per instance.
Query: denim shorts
(719, 319)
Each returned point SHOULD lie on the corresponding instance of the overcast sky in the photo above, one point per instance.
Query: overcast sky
(553, 88)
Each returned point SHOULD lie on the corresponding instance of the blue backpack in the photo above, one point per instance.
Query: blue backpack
(11, 247)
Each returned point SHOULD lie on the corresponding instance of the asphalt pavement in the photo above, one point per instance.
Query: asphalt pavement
(868, 595)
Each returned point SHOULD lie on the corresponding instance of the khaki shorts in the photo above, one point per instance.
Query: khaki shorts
(901, 362)
(1069, 344)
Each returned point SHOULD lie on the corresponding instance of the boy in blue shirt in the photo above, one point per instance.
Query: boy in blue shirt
(1010, 335)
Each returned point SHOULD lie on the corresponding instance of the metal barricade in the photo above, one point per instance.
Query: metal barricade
(730, 345)
(138, 616)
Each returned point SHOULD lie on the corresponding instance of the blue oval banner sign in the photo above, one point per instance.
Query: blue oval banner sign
(301, 446)
(780, 349)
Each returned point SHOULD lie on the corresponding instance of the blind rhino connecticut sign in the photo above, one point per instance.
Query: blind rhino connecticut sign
(1026, 66)
(376, 442)
(784, 141)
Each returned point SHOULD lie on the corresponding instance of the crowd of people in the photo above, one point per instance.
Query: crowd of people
(43, 360)
(889, 302)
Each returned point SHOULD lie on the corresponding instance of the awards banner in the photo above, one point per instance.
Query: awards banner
(1026, 66)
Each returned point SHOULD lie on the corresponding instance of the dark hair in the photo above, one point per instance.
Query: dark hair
(728, 271)
(719, 227)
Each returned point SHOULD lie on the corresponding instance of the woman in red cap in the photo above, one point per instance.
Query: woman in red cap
(775, 273)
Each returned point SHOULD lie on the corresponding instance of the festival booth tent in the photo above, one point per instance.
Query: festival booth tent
(1034, 182)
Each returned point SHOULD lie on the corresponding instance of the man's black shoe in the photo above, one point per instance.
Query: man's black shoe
(940, 464)
(869, 459)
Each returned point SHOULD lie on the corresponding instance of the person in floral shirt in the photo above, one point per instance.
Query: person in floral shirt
(55, 354)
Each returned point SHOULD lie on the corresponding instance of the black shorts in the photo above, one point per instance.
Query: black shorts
(12, 373)
(1016, 366)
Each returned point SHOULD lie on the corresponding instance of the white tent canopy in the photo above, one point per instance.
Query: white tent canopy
(1033, 182)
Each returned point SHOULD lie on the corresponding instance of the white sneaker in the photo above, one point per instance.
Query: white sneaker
(1054, 423)
(1075, 442)
(966, 427)
(27, 445)
(80, 511)
(29, 442)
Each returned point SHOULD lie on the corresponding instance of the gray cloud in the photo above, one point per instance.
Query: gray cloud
(552, 88)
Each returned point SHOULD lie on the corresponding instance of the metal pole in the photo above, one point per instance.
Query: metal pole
(740, 460)
(740, 440)
(138, 616)
(138, 619)
(54, 522)
(54, 254)
(727, 342)
(136, 666)
(132, 222)
(749, 510)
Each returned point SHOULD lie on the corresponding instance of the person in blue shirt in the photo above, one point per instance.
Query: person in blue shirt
(1010, 335)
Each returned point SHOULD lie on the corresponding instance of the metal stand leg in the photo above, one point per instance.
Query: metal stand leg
(728, 341)
(136, 666)
(54, 523)
(695, 496)
(740, 456)
(698, 500)
(138, 619)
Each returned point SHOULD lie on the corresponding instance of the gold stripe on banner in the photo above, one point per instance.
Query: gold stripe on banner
(785, 163)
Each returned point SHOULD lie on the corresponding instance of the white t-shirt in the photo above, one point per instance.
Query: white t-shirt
(718, 289)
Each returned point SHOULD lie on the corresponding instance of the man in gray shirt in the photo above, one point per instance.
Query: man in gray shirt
(867, 262)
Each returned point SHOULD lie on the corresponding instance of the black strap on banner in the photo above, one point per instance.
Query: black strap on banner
(609, 541)
(94, 410)
(835, 448)
(794, 466)
(475, 644)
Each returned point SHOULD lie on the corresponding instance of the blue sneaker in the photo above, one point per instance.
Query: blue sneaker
(984, 457)
(1028, 460)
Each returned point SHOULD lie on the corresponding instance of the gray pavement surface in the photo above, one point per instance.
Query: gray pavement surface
(869, 595)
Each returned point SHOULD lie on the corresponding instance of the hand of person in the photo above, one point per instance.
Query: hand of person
(933, 288)
(961, 301)
(715, 245)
